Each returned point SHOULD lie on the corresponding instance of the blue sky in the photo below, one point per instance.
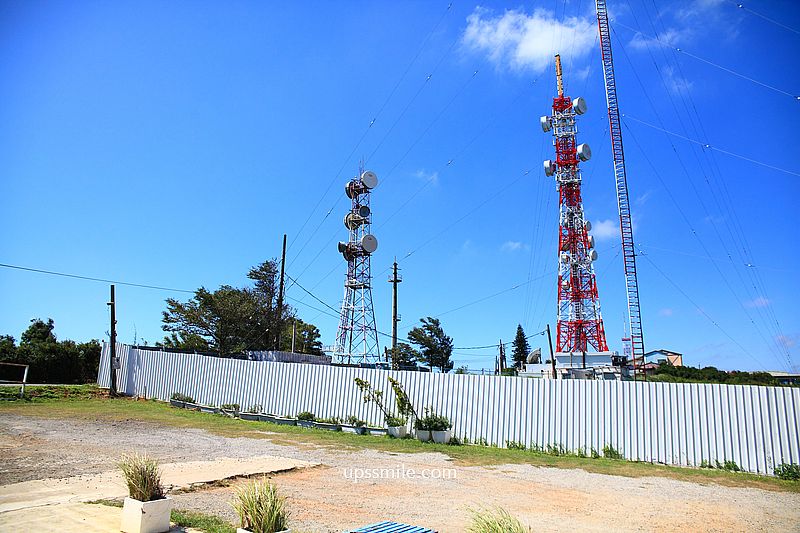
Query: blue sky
(173, 143)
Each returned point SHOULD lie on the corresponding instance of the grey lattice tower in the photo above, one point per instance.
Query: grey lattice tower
(357, 336)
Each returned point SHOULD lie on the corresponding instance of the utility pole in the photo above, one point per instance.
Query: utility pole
(112, 364)
(503, 362)
(394, 280)
(280, 297)
(552, 356)
(294, 330)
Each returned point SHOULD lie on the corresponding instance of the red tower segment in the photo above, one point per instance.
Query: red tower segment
(580, 324)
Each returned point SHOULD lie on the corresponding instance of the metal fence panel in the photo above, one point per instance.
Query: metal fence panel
(671, 423)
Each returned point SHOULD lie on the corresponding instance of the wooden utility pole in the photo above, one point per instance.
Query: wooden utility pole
(294, 331)
(394, 280)
(112, 363)
(552, 356)
(280, 297)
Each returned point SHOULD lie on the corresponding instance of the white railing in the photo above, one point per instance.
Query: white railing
(673, 423)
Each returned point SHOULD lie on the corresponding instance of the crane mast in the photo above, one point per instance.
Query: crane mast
(623, 201)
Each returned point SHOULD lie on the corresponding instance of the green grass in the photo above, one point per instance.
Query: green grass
(181, 517)
(52, 392)
(161, 413)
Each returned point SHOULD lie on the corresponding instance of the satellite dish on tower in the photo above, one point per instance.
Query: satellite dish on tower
(369, 243)
(352, 221)
(369, 179)
(363, 211)
(587, 225)
(546, 123)
(549, 167)
(579, 106)
(584, 152)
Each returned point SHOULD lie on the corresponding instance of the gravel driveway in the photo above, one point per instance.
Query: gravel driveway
(359, 487)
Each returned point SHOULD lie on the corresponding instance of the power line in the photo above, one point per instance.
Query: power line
(363, 135)
(89, 278)
(773, 21)
(707, 62)
(708, 146)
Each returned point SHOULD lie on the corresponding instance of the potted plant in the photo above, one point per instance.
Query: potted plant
(180, 400)
(422, 429)
(251, 414)
(230, 409)
(260, 508)
(306, 419)
(146, 509)
(331, 424)
(396, 427)
(354, 425)
(440, 429)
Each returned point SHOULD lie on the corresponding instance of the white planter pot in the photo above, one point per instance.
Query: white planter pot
(146, 517)
(423, 435)
(441, 437)
(398, 432)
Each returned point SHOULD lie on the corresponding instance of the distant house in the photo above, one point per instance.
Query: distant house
(786, 378)
(659, 357)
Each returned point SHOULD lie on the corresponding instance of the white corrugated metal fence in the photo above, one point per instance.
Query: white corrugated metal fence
(672, 423)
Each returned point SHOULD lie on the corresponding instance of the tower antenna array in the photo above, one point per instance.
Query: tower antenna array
(625, 224)
(580, 325)
(357, 335)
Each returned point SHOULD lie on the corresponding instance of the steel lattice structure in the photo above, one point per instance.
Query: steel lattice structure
(357, 335)
(625, 224)
(580, 324)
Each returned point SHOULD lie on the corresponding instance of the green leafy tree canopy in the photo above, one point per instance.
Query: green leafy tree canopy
(521, 348)
(435, 346)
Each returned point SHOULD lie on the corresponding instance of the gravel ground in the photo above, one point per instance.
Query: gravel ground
(357, 488)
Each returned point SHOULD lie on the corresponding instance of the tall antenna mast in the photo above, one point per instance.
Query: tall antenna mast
(580, 324)
(357, 335)
(625, 224)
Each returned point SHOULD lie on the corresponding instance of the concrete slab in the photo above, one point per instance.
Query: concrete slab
(38, 493)
(70, 518)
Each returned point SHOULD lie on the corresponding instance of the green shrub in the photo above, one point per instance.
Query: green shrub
(705, 464)
(432, 422)
(306, 416)
(495, 521)
(143, 477)
(260, 508)
(595, 454)
(514, 445)
(180, 397)
(788, 471)
(332, 420)
(395, 421)
(255, 408)
(731, 466)
(610, 452)
(230, 406)
(354, 421)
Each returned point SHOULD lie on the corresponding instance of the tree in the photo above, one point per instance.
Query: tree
(306, 337)
(521, 348)
(231, 320)
(436, 348)
(402, 355)
(49, 360)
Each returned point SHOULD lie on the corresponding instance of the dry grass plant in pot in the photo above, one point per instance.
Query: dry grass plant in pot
(260, 508)
(146, 509)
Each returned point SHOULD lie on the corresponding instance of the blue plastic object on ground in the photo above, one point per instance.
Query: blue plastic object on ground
(392, 527)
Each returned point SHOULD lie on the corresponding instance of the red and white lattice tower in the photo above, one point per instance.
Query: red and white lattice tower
(580, 325)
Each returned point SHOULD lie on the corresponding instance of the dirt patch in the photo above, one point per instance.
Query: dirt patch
(357, 487)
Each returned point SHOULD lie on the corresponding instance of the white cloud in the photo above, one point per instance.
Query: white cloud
(676, 84)
(527, 42)
(432, 177)
(666, 312)
(758, 302)
(786, 341)
(513, 246)
(605, 229)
